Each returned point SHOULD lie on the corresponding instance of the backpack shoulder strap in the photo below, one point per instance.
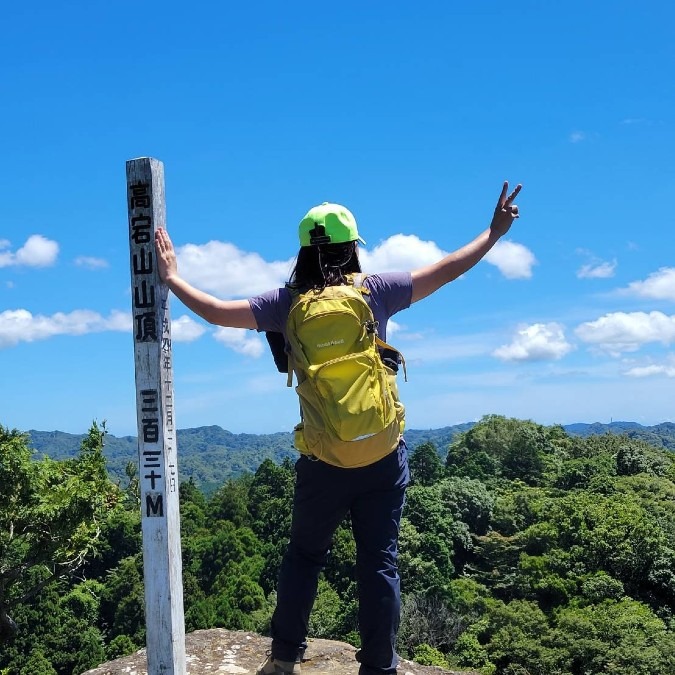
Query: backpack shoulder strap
(357, 281)
(295, 294)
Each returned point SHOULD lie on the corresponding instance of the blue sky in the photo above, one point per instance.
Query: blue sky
(412, 115)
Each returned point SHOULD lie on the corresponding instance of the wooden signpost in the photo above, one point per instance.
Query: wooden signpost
(157, 452)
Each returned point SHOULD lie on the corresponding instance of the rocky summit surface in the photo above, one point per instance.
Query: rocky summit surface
(222, 652)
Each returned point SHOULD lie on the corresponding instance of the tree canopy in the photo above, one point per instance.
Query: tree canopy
(523, 549)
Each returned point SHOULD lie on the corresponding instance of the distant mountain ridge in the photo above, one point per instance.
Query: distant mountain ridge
(211, 455)
(660, 435)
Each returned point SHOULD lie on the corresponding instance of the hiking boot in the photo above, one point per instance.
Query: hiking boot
(276, 667)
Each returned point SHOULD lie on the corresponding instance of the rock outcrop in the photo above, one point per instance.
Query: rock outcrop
(223, 652)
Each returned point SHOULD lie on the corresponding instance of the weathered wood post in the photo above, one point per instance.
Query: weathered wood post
(157, 452)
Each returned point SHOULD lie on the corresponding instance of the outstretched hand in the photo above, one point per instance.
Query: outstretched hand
(167, 265)
(505, 211)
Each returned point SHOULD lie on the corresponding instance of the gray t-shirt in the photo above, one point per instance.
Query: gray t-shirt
(390, 292)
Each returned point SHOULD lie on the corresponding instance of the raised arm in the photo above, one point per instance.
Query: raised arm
(231, 313)
(429, 279)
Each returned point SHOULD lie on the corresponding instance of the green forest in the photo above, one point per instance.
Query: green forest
(525, 549)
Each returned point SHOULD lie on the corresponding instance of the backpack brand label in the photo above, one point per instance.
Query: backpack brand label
(330, 343)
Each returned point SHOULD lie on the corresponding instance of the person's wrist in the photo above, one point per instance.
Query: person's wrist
(170, 280)
(496, 232)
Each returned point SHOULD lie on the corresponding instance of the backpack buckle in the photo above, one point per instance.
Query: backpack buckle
(371, 327)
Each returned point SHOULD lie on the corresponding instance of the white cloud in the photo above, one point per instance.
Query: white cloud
(659, 285)
(240, 340)
(91, 263)
(649, 367)
(393, 327)
(400, 253)
(597, 270)
(577, 136)
(223, 269)
(185, 329)
(514, 261)
(120, 321)
(38, 251)
(19, 325)
(536, 342)
(649, 371)
(626, 331)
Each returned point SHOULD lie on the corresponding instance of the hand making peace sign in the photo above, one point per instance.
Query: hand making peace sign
(505, 211)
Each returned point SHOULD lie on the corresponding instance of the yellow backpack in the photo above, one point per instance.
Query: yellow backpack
(351, 413)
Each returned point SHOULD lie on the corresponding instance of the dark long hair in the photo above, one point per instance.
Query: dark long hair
(326, 265)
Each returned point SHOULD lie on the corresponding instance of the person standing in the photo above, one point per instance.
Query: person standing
(369, 485)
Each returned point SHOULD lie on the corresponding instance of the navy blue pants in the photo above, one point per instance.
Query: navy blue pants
(373, 495)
